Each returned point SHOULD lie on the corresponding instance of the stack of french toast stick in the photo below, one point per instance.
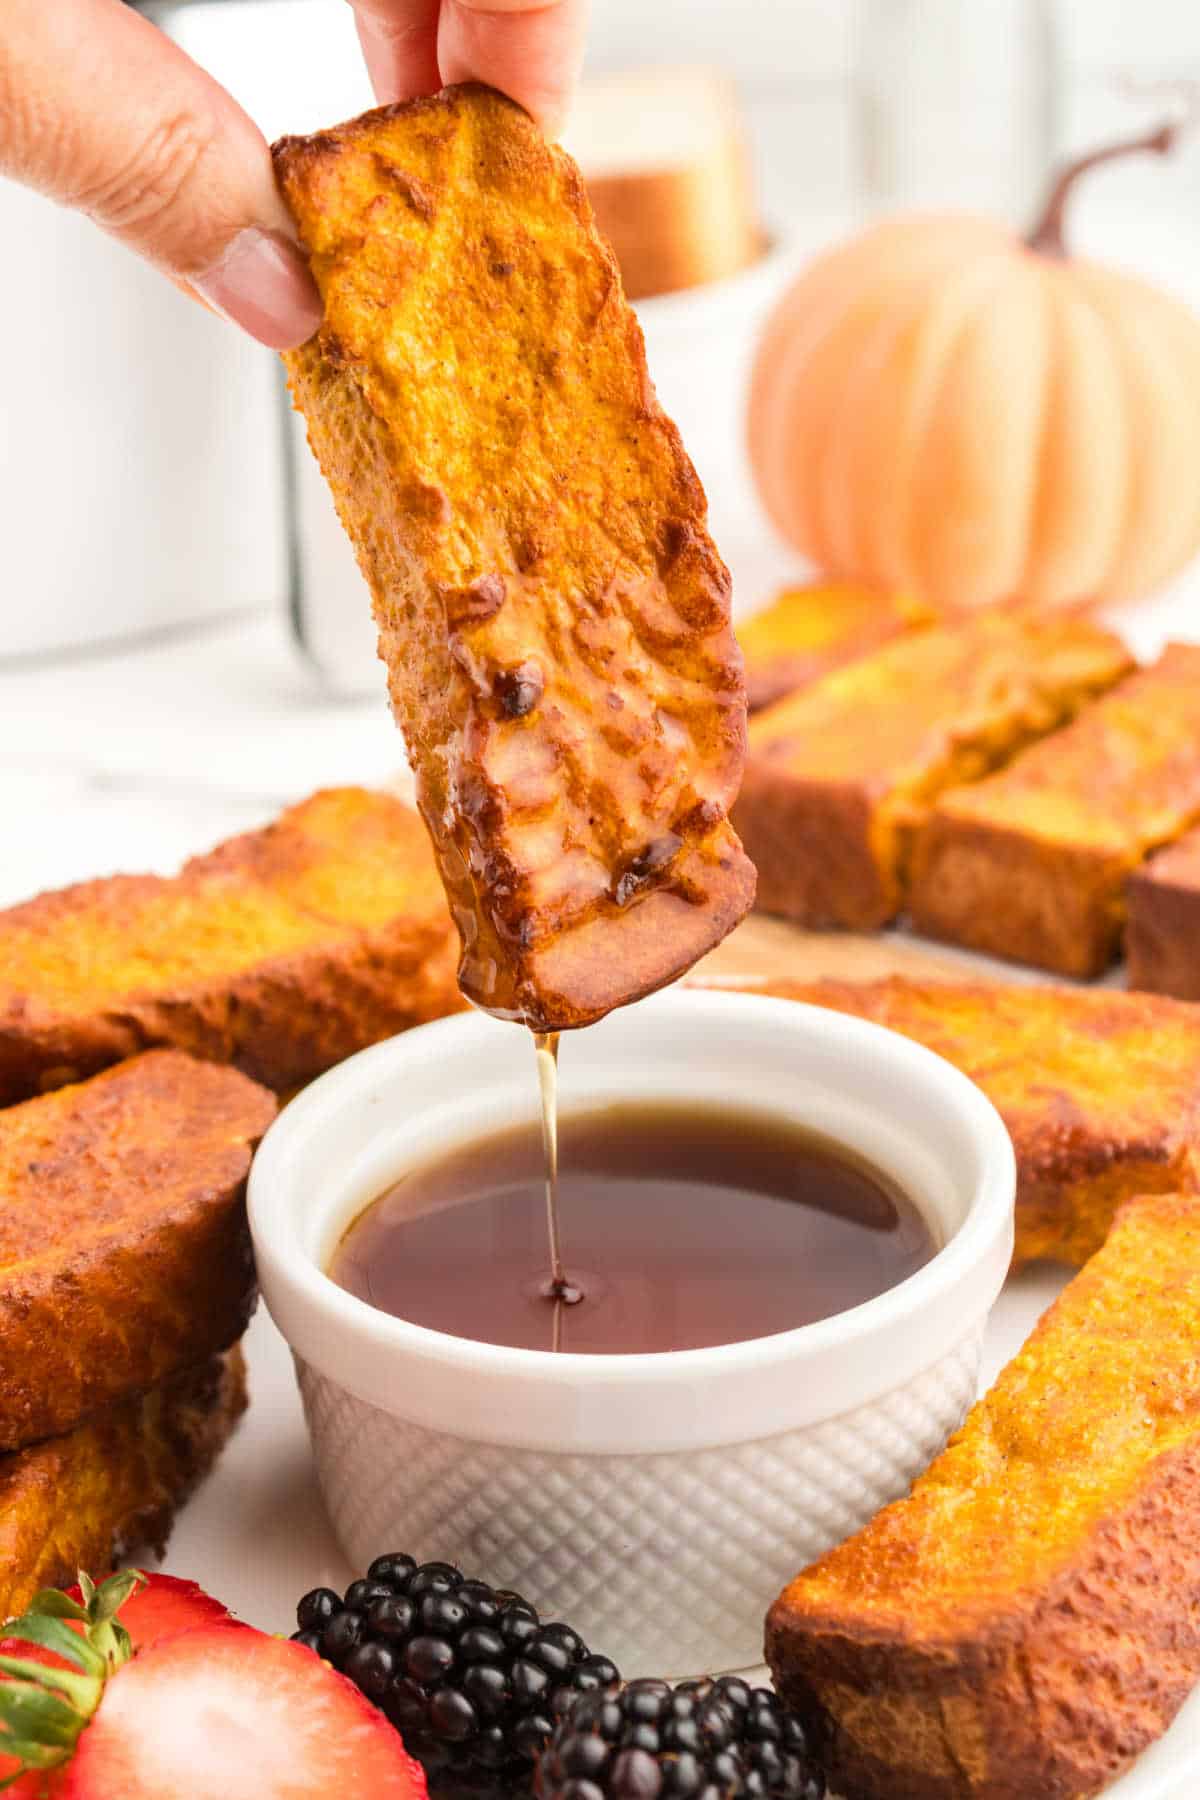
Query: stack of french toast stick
(146, 1028)
(1015, 785)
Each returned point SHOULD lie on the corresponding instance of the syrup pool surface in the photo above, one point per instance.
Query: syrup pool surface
(683, 1228)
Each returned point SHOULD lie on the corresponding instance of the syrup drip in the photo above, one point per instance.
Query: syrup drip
(557, 1288)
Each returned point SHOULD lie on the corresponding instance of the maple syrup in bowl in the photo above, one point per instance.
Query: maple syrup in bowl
(733, 1166)
(681, 1228)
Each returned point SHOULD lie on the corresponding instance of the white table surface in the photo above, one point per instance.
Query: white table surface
(135, 759)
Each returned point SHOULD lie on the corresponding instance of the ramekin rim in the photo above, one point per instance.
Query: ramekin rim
(988, 1219)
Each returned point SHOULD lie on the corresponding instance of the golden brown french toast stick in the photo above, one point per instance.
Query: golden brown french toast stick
(1027, 1620)
(1033, 863)
(1162, 938)
(282, 951)
(841, 775)
(112, 1486)
(1100, 1090)
(124, 1251)
(552, 611)
(806, 632)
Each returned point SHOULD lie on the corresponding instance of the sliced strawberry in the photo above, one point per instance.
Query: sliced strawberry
(226, 1713)
(163, 1608)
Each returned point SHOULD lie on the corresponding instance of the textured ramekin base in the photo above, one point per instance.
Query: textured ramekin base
(668, 1562)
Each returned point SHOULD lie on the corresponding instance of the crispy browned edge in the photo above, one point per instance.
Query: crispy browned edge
(1162, 937)
(1058, 907)
(81, 1328)
(813, 846)
(577, 977)
(282, 1022)
(1070, 1181)
(112, 1487)
(1016, 1707)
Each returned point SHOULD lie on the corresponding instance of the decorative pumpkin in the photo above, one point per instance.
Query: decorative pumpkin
(940, 409)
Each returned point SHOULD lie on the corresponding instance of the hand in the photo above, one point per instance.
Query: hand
(529, 49)
(103, 112)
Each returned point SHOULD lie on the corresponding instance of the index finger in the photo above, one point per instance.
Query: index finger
(530, 49)
(399, 46)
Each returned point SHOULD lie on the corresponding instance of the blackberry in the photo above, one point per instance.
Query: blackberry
(702, 1740)
(469, 1675)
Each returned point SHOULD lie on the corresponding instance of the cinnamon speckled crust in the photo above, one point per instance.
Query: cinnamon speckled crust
(282, 951)
(842, 774)
(111, 1488)
(552, 612)
(1100, 1090)
(1033, 863)
(124, 1250)
(1027, 1620)
(1162, 938)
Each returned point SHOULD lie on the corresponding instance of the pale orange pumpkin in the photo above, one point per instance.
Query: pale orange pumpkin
(942, 409)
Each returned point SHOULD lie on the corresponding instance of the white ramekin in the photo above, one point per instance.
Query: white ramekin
(656, 1502)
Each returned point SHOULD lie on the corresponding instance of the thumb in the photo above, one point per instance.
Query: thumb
(104, 113)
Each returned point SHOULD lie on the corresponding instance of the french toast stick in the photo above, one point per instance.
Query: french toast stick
(841, 775)
(282, 951)
(1162, 937)
(552, 611)
(808, 631)
(124, 1251)
(113, 1485)
(1100, 1090)
(1027, 1620)
(1033, 863)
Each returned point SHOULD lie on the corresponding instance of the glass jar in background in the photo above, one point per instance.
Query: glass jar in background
(957, 104)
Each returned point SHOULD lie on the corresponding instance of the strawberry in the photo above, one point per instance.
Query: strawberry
(226, 1713)
(40, 1659)
(207, 1711)
(163, 1607)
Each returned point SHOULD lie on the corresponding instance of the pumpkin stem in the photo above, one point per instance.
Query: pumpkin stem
(1047, 236)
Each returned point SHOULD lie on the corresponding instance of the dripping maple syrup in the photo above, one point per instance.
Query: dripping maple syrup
(686, 1226)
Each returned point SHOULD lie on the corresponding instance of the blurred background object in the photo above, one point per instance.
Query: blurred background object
(664, 155)
(957, 104)
(140, 477)
(944, 406)
(147, 483)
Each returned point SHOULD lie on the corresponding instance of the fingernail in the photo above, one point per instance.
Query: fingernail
(262, 283)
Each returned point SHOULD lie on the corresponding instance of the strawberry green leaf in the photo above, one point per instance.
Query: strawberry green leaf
(28, 1711)
(112, 1595)
(83, 1690)
(52, 1603)
(52, 1634)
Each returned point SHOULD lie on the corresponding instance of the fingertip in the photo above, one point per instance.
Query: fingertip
(532, 54)
(400, 53)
